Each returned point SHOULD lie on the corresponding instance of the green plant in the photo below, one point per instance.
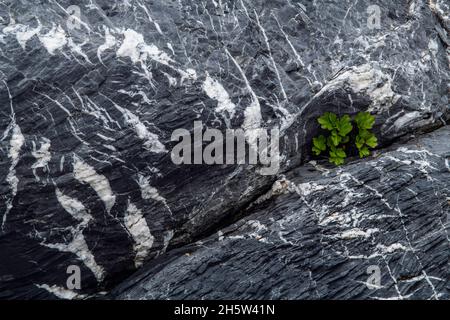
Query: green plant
(365, 138)
(339, 136)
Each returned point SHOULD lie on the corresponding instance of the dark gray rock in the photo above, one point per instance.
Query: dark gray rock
(88, 108)
(316, 234)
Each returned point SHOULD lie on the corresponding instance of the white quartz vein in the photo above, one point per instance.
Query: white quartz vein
(149, 192)
(137, 226)
(15, 144)
(215, 90)
(157, 27)
(252, 114)
(110, 42)
(151, 140)
(77, 245)
(42, 156)
(61, 292)
(54, 40)
(368, 79)
(266, 40)
(22, 32)
(296, 54)
(134, 46)
(84, 173)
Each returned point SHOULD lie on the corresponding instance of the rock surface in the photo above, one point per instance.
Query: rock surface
(88, 107)
(316, 234)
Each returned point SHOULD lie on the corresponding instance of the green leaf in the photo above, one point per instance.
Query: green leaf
(372, 141)
(364, 152)
(335, 138)
(336, 161)
(345, 139)
(339, 135)
(364, 134)
(333, 153)
(319, 145)
(330, 142)
(364, 120)
(359, 142)
(366, 138)
(345, 125)
(341, 153)
(337, 156)
(328, 121)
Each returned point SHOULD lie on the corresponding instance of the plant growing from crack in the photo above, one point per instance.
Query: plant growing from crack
(338, 138)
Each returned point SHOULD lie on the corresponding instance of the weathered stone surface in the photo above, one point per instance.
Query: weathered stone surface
(316, 233)
(87, 112)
